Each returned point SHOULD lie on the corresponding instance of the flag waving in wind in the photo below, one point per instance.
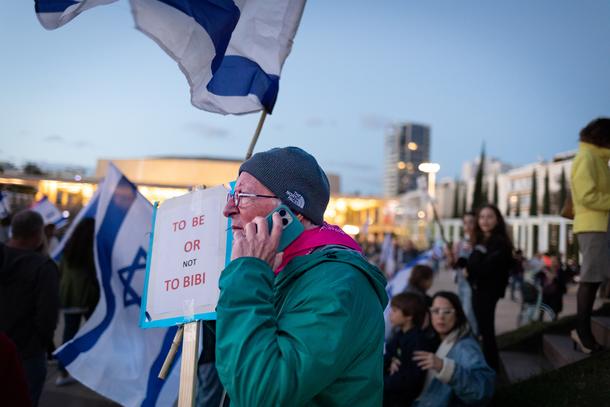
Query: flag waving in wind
(231, 51)
(111, 354)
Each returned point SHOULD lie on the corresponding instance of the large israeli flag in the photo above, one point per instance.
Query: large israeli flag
(111, 354)
(231, 51)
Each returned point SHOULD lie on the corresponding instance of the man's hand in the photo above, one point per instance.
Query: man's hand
(255, 241)
(427, 361)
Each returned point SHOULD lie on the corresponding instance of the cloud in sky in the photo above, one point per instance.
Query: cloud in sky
(318, 122)
(351, 166)
(372, 121)
(205, 130)
(53, 138)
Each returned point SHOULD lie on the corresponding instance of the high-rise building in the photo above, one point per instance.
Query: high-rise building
(406, 146)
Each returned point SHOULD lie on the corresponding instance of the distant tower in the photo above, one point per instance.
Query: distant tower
(406, 146)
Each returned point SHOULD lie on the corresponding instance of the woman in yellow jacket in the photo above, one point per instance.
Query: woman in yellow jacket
(591, 196)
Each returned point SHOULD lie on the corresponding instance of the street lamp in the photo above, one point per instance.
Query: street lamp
(431, 169)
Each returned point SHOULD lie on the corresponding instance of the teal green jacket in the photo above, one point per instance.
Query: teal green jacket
(312, 336)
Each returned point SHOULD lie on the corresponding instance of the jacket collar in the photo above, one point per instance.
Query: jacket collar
(601, 152)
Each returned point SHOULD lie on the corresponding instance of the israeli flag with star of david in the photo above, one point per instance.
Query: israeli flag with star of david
(231, 51)
(111, 354)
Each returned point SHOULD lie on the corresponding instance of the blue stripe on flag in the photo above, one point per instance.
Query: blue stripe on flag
(53, 6)
(239, 76)
(154, 386)
(218, 18)
(123, 197)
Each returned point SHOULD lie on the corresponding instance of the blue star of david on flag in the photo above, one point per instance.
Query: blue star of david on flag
(130, 296)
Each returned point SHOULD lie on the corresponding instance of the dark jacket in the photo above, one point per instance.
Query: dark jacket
(489, 266)
(29, 299)
(403, 387)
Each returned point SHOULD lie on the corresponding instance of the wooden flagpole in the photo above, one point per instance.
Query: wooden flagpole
(257, 133)
(169, 359)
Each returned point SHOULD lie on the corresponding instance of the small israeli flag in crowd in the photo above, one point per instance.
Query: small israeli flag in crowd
(5, 207)
(111, 354)
(231, 51)
(49, 212)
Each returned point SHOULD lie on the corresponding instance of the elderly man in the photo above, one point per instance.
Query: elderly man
(29, 296)
(303, 327)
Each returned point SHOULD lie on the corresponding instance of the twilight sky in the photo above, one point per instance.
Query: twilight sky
(522, 76)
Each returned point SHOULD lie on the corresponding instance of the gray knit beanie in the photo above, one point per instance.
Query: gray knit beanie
(295, 177)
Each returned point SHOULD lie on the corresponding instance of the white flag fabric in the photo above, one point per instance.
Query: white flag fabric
(55, 13)
(231, 51)
(111, 354)
(49, 212)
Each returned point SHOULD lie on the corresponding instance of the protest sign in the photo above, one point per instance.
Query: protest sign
(189, 247)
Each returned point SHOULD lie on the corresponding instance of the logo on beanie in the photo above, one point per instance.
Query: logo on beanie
(296, 198)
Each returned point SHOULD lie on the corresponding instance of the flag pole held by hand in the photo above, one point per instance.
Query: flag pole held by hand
(169, 359)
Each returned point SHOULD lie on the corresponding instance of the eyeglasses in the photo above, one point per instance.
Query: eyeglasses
(236, 198)
(442, 311)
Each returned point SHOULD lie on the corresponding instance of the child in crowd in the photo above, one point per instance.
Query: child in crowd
(403, 379)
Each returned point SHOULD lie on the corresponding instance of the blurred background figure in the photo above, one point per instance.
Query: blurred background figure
(79, 290)
(553, 283)
(516, 274)
(29, 302)
(458, 260)
(420, 281)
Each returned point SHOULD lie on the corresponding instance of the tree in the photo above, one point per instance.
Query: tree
(495, 197)
(477, 195)
(32, 169)
(456, 200)
(534, 196)
(546, 197)
(464, 199)
(563, 190)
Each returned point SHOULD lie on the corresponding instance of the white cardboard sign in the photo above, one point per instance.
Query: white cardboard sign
(189, 247)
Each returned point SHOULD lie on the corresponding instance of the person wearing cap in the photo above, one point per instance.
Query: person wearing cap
(304, 326)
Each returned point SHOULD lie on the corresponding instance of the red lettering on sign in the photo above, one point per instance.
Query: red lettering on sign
(198, 220)
(190, 246)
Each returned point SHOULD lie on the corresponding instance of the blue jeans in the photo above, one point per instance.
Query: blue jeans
(35, 369)
(209, 388)
(465, 294)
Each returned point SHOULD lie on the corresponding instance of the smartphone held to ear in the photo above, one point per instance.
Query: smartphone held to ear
(291, 226)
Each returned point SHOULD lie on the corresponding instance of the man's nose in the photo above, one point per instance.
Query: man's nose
(229, 209)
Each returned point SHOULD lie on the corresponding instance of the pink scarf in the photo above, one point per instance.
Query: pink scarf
(321, 236)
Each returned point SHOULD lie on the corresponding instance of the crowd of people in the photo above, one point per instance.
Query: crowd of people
(305, 326)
